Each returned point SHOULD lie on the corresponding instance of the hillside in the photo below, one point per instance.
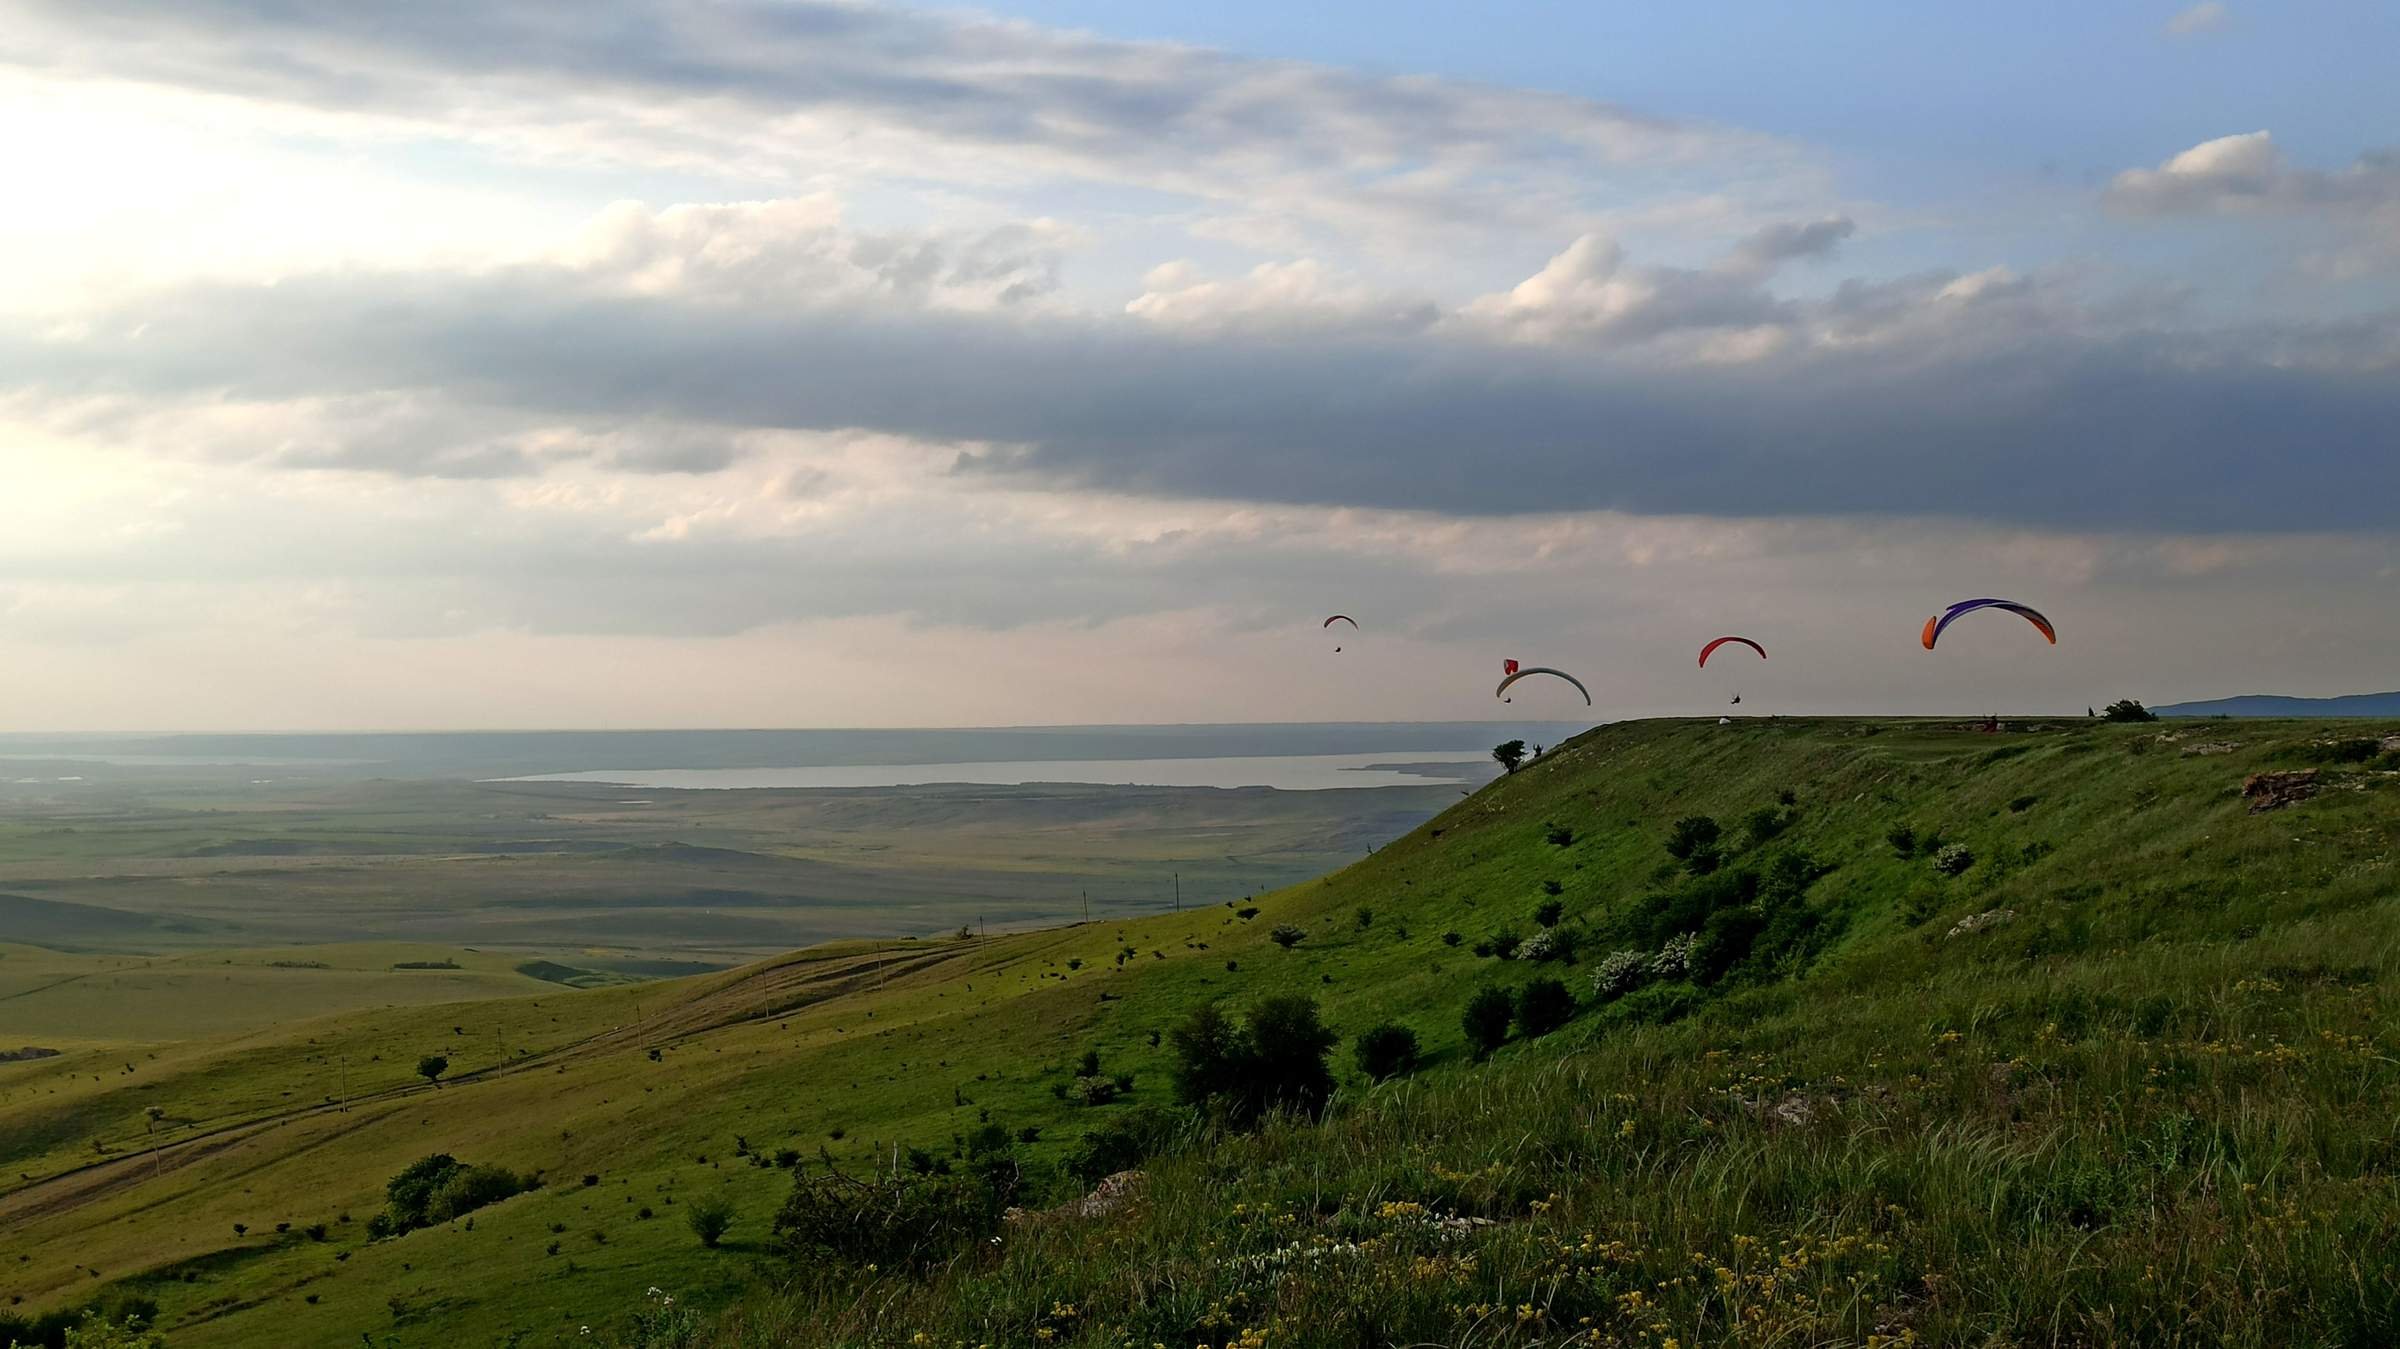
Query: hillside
(2100, 1054)
(2279, 705)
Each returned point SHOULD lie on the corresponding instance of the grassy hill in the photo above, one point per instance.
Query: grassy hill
(2089, 1053)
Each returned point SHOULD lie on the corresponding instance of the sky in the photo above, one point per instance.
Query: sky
(508, 364)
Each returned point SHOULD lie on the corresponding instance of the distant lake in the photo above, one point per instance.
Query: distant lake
(1291, 773)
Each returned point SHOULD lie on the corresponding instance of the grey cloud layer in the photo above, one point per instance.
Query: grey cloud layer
(1986, 397)
(791, 88)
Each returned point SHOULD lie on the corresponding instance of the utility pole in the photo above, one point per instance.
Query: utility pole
(1087, 906)
(1178, 892)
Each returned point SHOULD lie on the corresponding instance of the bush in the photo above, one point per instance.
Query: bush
(1509, 754)
(1725, 942)
(1366, 918)
(906, 1221)
(1902, 839)
(2126, 709)
(1762, 825)
(1274, 1062)
(1620, 974)
(1451, 939)
(1548, 912)
(1560, 836)
(1656, 917)
(709, 1216)
(431, 1067)
(1386, 1051)
(1128, 1140)
(1287, 936)
(1486, 1019)
(1504, 944)
(1954, 859)
(1551, 943)
(438, 1188)
(1543, 1007)
(1674, 960)
(1691, 835)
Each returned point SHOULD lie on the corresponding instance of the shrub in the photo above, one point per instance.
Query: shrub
(1902, 839)
(1246, 912)
(1504, 944)
(1724, 942)
(1543, 1007)
(709, 1216)
(438, 1188)
(1762, 825)
(1129, 1139)
(1366, 918)
(1551, 943)
(1386, 1051)
(1658, 916)
(2022, 804)
(1620, 974)
(1275, 1061)
(1548, 912)
(2127, 709)
(1451, 939)
(906, 1221)
(1560, 836)
(431, 1067)
(1486, 1019)
(1287, 936)
(1553, 888)
(1094, 1090)
(1953, 859)
(1674, 960)
(1509, 754)
(1691, 835)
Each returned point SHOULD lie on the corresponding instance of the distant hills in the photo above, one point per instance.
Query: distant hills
(2278, 705)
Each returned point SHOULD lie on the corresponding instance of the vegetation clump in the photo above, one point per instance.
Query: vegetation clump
(438, 1188)
(1274, 1059)
(1386, 1051)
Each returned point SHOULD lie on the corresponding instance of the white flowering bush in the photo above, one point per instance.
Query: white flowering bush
(1674, 960)
(1543, 945)
(1620, 974)
(1953, 859)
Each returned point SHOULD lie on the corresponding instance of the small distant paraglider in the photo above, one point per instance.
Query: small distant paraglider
(1712, 646)
(1514, 674)
(1341, 618)
(1940, 623)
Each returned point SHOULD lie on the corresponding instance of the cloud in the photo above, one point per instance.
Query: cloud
(1592, 385)
(2249, 173)
(819, 91)
(2206, 17)
(1273, 298)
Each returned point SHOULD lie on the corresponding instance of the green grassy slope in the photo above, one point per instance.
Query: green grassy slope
(2154, 1101)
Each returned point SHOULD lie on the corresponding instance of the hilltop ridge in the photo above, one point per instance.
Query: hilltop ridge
(2026, 1036)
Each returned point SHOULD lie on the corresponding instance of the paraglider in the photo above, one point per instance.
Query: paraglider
(1712, 646)
(1940, 623)
(1515, 674)
(1341, 618)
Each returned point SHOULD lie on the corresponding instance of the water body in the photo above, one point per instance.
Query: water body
(1286, 772)
(512, 754)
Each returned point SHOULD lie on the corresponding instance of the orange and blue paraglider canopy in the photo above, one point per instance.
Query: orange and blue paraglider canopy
(1762, 651)
(1940, 623)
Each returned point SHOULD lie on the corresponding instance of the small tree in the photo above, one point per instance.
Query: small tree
(1543, 1007)
(1386, 1051)
(1287, 936)
(2126, 709)
(1548, 912)
(1486, 1019)
(431, 1067)
(1275, 1061)
(1692, 834)
(1509, 754)
(709, 1216)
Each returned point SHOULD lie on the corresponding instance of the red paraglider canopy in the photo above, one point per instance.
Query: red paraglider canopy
(1762, 651)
